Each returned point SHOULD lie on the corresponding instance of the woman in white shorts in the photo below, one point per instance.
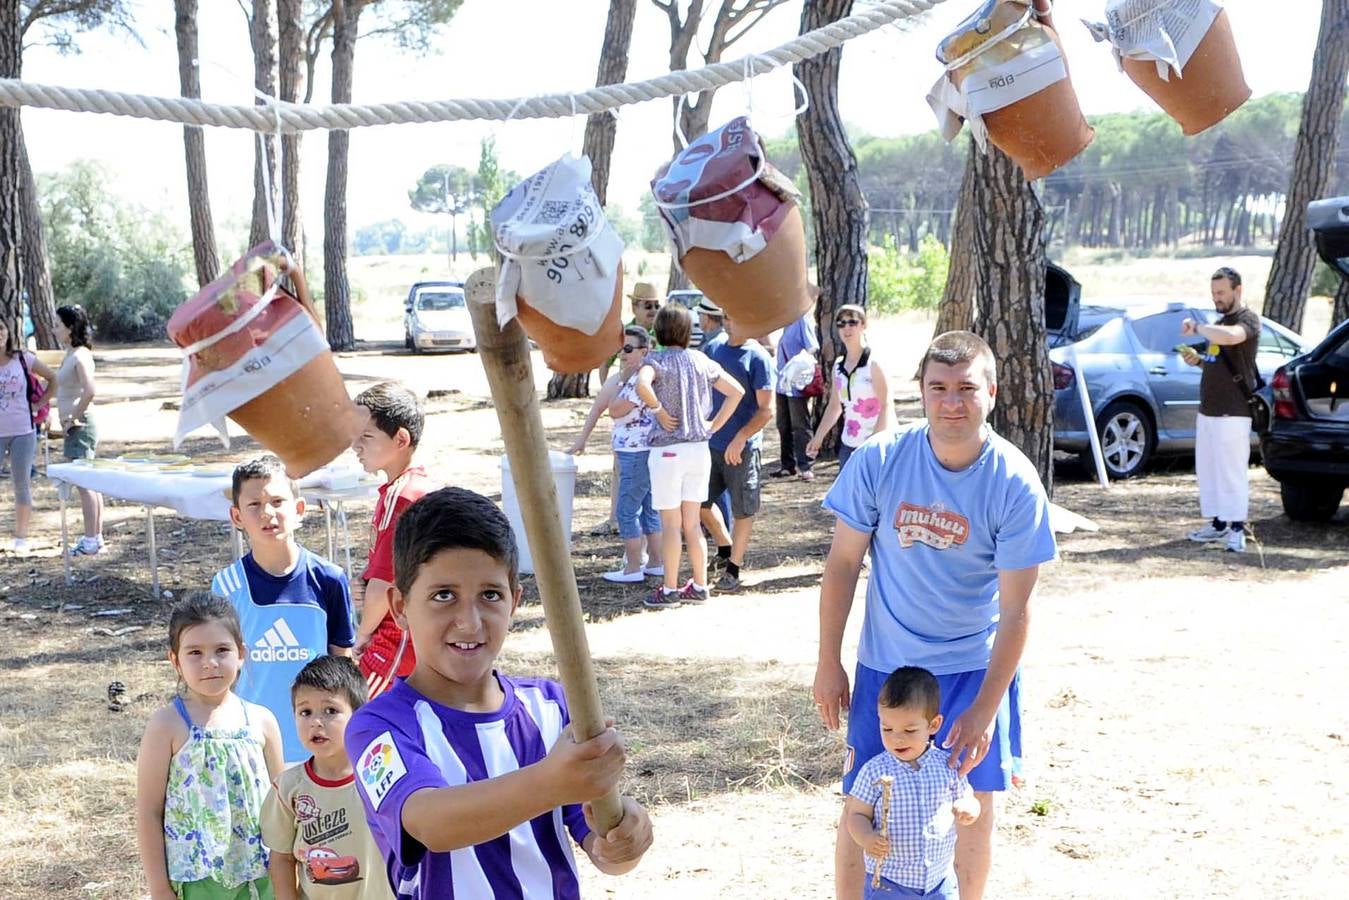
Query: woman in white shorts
(677, 386)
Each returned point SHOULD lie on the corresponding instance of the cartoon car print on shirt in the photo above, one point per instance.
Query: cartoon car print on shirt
(326, 867)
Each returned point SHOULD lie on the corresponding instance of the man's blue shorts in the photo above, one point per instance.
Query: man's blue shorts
(893, 890)
(958, 691)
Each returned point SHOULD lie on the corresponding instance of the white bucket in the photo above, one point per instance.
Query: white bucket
(564, 479)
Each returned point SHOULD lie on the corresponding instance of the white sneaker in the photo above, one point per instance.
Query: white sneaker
(622, 577)
(654, 571)
(21, 545)
(1236, 540)
(1209, 533)
(87, 546)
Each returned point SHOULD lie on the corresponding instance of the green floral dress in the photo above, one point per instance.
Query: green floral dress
(213, 805)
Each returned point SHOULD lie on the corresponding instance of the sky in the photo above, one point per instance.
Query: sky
(517, 48)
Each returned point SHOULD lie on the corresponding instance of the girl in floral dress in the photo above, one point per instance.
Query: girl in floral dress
(858, 391)
(204, 767)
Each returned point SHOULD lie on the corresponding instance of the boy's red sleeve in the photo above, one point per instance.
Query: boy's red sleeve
(380, 563)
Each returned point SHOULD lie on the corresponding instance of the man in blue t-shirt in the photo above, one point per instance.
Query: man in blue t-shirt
(293, 605)
(736, 466)
(957, 523)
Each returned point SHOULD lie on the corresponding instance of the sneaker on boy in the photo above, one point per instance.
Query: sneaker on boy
(294, 606)
(313, 822)
(387, 445)
(472, 782)
(1213, 531)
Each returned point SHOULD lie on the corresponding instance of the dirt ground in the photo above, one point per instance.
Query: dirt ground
(1186, 734)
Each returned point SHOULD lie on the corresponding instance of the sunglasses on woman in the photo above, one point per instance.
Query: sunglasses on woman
(846, 323)
(629, 348)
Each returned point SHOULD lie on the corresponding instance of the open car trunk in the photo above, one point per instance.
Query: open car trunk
(1063, 300)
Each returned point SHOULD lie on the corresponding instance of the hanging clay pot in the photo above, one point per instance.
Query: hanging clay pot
(1209, 87)
(256, 353)
(736, 227)
(568, 350)
(1010, 75)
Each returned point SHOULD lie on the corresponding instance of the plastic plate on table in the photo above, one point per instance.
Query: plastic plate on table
(107, 464)
(213, 470)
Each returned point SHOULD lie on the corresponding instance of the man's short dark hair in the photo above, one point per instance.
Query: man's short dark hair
(956, 347)
(265, 468)
(910, 687)
(674, 326)
(392, 407)
(333, 675)
(1232, 275)
(451, 519)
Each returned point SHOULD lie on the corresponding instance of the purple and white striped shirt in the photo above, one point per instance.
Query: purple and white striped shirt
(922, 824)
(402, 742)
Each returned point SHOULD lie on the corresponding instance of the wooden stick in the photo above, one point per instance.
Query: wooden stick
(505, 357)
(887, 783)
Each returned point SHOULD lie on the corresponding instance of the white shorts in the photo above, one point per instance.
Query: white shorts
(679, 474)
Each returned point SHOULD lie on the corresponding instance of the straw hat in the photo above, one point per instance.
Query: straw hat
(708, 308)
(644, 290)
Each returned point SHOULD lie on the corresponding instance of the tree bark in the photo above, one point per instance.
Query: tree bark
(838, 209)
(204, 252)
(290, 62)
(11, 222)
(1290, 276)
(1340, 312)
(601, 130)
(263, 35)
(37, 275)
(336, 289)
(956, 312)
(1010, 275)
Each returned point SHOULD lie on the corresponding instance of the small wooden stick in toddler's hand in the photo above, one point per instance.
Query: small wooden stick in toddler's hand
(887, 783)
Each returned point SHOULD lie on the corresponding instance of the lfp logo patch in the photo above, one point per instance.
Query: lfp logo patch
(380, 768)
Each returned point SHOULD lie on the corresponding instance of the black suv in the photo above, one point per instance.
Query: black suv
(1306, 448)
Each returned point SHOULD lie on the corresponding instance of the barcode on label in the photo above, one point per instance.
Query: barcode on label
(552, 212)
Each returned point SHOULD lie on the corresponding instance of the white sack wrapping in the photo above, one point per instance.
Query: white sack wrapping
(1165, 31)
(216, 394)
(992, 87)
(797, 372)
(558, 251)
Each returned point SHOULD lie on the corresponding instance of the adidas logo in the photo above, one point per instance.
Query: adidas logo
(279, 644)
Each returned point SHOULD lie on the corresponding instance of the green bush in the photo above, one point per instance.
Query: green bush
(1325, 281)
(898, 280)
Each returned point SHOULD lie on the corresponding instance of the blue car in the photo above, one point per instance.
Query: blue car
(1144, 397)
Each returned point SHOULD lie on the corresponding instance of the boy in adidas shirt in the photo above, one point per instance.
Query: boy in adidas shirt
(312, 819)
(294, 606)
(387, 444)
(472, 781)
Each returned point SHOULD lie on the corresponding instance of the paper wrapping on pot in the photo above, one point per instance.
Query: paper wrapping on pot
(1166, 32)
(721, 193)
(241, 335)
(558, 251)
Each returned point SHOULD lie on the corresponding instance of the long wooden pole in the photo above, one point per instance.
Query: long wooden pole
(505, 357)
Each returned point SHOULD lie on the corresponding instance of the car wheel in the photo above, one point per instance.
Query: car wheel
(1127, 440)
(407, 340)
(1307, 501)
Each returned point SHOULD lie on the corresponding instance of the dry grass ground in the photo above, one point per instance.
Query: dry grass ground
(1185, 722)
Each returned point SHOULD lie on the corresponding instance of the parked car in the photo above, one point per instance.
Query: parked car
(435, 317)
(1306, 448)
(1144, 396)
(689, 300)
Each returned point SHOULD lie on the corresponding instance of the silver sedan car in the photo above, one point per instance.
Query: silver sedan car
(1144, 397)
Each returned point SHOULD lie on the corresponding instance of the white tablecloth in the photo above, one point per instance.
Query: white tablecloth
(188, 495)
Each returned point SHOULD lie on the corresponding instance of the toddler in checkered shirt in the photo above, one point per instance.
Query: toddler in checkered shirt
(912, 842)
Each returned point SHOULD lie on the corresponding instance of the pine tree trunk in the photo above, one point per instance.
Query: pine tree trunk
(1340, 312)
(11, 222)
(336, 289)
(204, 252)
(956, 312)
(1290, 276)
(290, 69)
(1010, 276)
(37, 276)
(262, 34)
(598, 144)
(838, 207)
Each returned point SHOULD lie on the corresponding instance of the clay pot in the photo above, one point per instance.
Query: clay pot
(766, 291)
(567, 350)
(1212, 85)
(307, 419)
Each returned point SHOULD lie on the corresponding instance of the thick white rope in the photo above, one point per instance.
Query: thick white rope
(295, 117)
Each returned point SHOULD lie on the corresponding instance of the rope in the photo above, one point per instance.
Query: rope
(296, 117)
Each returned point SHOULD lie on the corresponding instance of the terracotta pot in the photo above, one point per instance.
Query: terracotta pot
(307, 419)
(1212, 85)
(567, 350)
(766, 291)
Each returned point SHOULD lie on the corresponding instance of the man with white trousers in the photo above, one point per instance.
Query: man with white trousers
(1222, 448)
